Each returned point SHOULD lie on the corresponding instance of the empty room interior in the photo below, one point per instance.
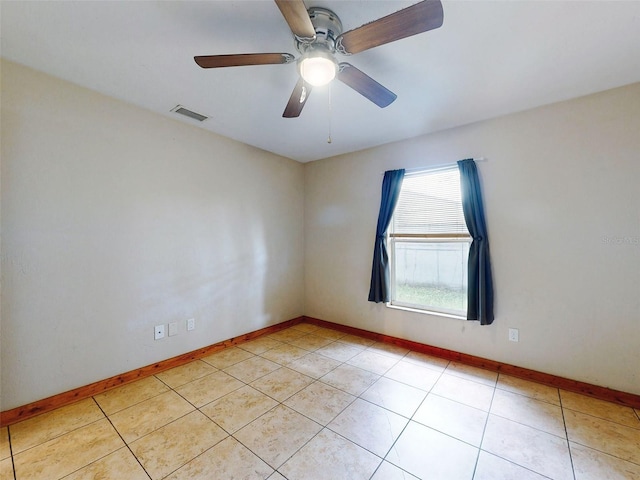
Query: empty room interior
(188, 272)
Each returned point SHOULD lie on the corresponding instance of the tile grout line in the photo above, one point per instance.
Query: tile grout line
(323, 427)
(566, 432)
(13, 463)
(529, 426)
(356, 397)
(408, 423)
(54, 437)
(633, 462)
(281, 403)
(519, 423)
(306, 416)
(278, 403)
(301, 447)
(484, 429)
(197, 409)
(133, 404)
(232, 435)
(229, 435)
(600, 418)
(121, 438)
(526, 424)
(527, 396)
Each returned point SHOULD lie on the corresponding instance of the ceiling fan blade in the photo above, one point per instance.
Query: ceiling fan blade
(296, 15)
(365, 85)
(412, 20)
(240, 60)
(298, 98)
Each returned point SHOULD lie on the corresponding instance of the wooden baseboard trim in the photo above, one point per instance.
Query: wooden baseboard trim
(30, 410)
(48, 404)
(595, 391)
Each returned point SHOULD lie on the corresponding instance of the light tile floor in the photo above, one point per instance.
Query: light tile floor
(311, 403)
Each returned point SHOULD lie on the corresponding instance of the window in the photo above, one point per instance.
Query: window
(429, 244)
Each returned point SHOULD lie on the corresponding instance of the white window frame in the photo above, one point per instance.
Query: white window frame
(392, 238)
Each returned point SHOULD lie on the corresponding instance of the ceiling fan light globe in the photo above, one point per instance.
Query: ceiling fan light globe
(318, 70)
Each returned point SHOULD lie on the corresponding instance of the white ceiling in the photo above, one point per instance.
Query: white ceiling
(489, 58)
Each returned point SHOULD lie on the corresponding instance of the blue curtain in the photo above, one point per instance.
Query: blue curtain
(480, 287)
(379, 288)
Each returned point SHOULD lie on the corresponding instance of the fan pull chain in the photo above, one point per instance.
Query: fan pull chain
(330, 112)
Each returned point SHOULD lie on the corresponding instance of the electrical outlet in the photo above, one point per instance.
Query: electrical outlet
(514, 335)
(173, 329)
(158, 332)
(191, 324)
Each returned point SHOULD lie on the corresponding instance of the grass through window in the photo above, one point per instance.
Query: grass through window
(432, 296)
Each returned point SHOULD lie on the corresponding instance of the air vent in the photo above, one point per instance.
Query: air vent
(189, 113)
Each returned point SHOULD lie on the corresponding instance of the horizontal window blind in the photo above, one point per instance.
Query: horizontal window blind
(430, 203)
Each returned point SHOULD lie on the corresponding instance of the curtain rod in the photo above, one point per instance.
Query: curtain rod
(437, 167)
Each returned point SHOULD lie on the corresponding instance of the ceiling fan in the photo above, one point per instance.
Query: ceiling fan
(318, 37)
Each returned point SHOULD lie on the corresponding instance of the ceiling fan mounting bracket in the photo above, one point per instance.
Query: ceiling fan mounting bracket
(328, 28)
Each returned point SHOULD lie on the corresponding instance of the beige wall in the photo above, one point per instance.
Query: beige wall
(115, 219)
(561, 195)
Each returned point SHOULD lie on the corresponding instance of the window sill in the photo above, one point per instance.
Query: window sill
(426, 312)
